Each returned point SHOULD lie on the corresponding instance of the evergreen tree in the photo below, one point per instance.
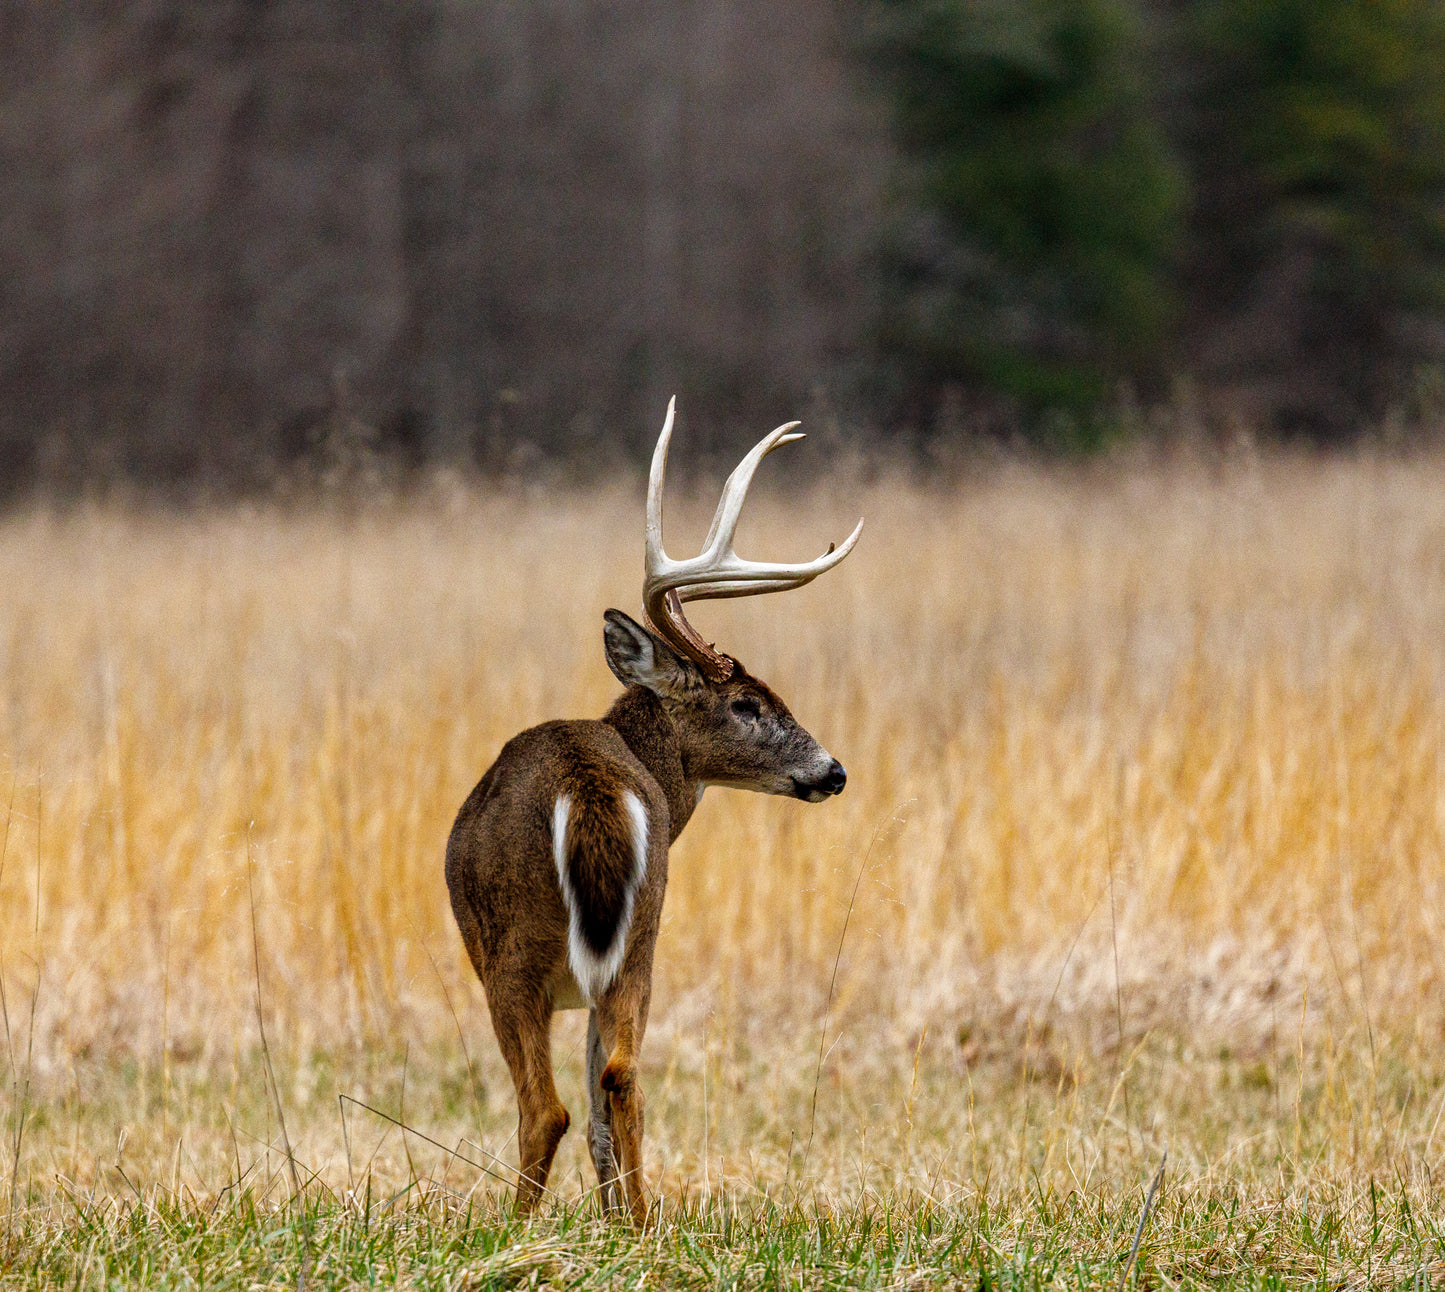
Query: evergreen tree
(1046, 202)
(1320, 157)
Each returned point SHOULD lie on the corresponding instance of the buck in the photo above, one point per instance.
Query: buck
(557, 862)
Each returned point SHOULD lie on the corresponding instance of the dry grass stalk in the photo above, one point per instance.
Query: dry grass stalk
(1224, 686)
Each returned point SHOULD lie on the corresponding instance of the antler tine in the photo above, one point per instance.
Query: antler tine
(660, 599)
(735, 491)
(655, 479)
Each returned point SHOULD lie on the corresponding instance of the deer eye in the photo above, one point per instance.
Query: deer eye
(746, 707)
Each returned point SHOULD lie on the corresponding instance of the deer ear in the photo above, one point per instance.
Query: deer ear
(637, 658)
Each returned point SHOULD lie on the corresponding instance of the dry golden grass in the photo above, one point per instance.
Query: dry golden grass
(1143, 843)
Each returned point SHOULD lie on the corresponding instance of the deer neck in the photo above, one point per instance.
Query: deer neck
(644, 725)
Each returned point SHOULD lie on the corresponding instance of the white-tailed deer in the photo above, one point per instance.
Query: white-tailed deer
(557, 862)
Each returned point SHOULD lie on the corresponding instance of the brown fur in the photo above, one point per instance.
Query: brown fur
(662, 740)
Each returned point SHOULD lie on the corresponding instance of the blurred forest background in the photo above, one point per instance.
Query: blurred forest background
(249, 238)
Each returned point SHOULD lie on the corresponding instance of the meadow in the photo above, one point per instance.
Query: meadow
(1141, 861)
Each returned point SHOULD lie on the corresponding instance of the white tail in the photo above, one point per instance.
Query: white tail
(594, 970)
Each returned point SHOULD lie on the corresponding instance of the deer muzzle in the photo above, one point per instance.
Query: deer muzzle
(815, 790)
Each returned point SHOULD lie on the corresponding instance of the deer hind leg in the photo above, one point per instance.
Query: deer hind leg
(600, 1139)
(524, 1033)
(622, 1025)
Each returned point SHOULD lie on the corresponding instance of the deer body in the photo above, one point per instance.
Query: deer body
(557, 862)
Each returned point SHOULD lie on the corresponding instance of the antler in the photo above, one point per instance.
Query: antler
(717, 571)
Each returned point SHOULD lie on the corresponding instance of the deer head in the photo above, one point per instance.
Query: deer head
(735, 730)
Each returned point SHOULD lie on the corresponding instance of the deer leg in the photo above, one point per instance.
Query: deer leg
(622, 1024)
(599, 1123)
(524, 1033)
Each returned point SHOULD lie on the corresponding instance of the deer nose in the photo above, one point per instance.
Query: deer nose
(834, 781)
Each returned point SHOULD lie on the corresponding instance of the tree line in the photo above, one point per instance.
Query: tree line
(252, 237)
(1246, 193)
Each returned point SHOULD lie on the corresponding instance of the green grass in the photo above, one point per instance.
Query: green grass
(427, 1238)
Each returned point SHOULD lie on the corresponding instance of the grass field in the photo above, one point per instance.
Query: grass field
(1143, 851)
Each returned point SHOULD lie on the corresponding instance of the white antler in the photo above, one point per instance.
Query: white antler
(717, 571)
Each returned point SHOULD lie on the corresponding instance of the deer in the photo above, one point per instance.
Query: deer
(556, 865)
